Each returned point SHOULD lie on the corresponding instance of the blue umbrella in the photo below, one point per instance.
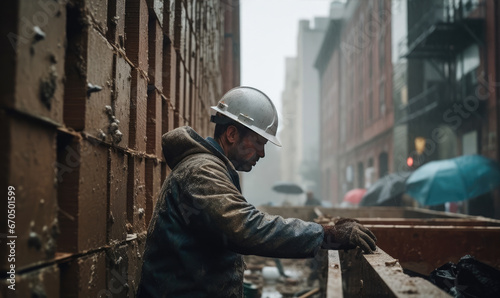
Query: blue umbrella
(452, 180)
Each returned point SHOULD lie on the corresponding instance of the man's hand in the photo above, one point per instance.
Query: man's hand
(348, 233)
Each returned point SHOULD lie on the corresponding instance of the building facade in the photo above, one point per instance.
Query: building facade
(87, 90)
(301, 107)
(356, 94)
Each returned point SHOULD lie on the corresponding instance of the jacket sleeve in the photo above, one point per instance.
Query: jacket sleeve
(248, 230)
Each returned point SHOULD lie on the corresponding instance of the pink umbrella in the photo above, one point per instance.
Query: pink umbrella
(354, 196)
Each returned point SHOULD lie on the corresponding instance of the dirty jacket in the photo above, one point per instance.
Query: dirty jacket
(202, 225)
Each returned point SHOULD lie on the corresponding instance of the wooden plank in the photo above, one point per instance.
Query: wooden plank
(472, 221)
(424, 248)
(334, 280)
(378, 275)
(391, 273)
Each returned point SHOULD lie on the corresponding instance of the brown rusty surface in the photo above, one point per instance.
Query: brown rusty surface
(99, 72)
(117, 271)
(153, 185)
(168, 70)
(82, 193)
(97, 13)
(121, 99)
(116, 22)
(84, 277)
(42, 282)
(179, 87)
(34, 179)
(89, 61)
(188, 99)
(179, 27)
(136, 31)
(135, 253)
(138, 111)
(154, 123)
(117, 216)
(472, 221)
(424, 248)
(155, 51)
(307, 212)
(34, 84)
(136, 195)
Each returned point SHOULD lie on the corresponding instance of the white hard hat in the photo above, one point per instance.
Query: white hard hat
(253, 109)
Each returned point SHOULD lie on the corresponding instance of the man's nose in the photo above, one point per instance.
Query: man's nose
(262, 153)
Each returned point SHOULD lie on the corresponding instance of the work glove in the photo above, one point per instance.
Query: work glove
(347, 233)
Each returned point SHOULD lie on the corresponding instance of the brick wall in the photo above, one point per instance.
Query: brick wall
(88, 88)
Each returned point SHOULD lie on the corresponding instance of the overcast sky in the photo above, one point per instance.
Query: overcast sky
(269, 31)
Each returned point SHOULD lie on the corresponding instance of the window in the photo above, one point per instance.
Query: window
(381, 98)
(361, 175)
(383, 164)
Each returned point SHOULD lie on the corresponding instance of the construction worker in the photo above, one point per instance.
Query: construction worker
(202, 224)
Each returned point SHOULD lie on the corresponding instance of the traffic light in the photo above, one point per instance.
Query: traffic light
(409, 161)
(415, 160)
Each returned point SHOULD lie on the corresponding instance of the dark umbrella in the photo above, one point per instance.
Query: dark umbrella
(385, 189)
(453, 180)
(287, 188)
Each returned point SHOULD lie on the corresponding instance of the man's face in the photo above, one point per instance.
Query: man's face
(245, 153)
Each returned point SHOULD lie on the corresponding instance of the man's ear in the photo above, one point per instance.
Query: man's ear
(232, 134)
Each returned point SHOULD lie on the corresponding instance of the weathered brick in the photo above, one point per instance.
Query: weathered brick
(154, 123)
(155, 53)
(180, 75)
(156, 8)
(121, 101)
(188, 4)
(136, 30)
(117, 272)
(89, 67)
(179, 28)
(97, 13)
(118, 177)
(193, 48)
(164, 171)
(187, 98)
(33, 177)
(196, 107)
(185, 37)
(153, 185)
(33, 60)
(85, 276)
(135, 253)
(136, 195)
(169, 18)
(43, 282)
(169, 69)
(82, 193)
(167, 116)
(138, 112)
(116, 22)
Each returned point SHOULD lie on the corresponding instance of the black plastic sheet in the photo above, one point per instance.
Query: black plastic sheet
(468, 278)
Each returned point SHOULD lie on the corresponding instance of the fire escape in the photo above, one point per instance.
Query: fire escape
(436, 38)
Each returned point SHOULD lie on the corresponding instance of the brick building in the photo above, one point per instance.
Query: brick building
(357, 117)
(87, 90)
(453, 73)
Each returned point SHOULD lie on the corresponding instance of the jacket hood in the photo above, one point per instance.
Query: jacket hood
(184, 141)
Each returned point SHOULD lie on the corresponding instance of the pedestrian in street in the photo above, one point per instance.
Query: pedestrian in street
(202, 224)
